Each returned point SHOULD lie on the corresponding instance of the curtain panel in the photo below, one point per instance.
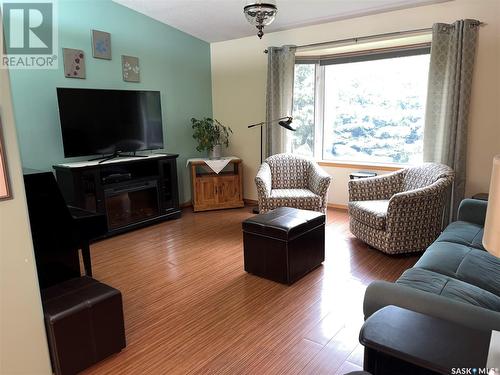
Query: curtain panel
(453, 53)
(279, 98)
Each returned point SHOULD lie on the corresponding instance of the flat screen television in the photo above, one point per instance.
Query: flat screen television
(109, 121)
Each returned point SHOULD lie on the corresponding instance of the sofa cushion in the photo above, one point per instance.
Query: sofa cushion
(435, 283)
(464, 233)
(443, 257)
(371, 213)
(473, 266)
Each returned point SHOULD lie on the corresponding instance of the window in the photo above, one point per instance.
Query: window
(304, 93)
(362, 107)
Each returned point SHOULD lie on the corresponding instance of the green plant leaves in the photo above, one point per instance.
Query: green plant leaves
(209, 132)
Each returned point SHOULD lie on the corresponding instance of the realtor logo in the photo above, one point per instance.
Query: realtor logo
(29, 40)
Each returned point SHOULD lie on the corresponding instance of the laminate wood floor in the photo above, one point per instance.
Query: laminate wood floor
(191, 309)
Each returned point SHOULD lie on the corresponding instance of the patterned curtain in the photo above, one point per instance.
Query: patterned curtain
(280, 73)
(450, 77)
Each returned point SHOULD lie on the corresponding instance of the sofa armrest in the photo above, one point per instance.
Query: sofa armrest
(375, 188)
(382, 293)
(319, 180)
(473, 211)
(263, 180)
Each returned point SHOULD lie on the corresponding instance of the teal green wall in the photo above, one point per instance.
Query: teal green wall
(171, 61)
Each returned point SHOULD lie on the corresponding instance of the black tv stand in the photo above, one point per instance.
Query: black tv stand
(147, 194)
(117, 155)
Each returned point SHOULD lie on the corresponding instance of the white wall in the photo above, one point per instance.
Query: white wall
(239, 81)
(23, 344)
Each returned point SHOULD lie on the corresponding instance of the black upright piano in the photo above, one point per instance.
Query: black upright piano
(83, 317)
(58, 230)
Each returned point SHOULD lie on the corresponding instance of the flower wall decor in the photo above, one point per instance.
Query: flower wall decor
(101, 45)
(131, 70)
(74, 63)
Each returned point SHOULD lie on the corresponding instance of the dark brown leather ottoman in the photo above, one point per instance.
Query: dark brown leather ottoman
(284, 244)
(84, 323)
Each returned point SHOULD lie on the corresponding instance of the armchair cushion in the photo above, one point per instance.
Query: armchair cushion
(371, 213)
(288, 171)
(297, 198)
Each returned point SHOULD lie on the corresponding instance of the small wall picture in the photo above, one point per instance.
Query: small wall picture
(101, 45)
(5, 192)
(74, 63)
(131, 70)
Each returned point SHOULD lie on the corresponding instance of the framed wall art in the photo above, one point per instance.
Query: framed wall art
(101, 45)
(5, 191)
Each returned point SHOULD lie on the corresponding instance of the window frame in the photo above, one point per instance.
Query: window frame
(319, 96)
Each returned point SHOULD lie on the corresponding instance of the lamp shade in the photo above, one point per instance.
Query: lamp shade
(491, 238)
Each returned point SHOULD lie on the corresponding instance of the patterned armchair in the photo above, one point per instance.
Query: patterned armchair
(400, 212)
(285, 180)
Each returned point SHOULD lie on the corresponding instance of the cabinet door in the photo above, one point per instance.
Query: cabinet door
(205, 194)
(228, 189)
(169, 191)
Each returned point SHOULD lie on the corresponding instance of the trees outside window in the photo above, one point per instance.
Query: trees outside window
(370, 110)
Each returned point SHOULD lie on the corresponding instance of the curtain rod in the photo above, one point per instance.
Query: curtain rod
(368, 37)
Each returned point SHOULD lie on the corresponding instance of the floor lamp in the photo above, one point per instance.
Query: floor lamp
(284, 122)
(491, 242)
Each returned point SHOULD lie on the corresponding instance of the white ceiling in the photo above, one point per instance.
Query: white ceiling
(218, 20)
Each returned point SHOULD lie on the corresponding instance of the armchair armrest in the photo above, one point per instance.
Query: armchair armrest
(428, 192)
(319, 180)
(375, 188)
(263, 180)
(428, 199)
(473, 211)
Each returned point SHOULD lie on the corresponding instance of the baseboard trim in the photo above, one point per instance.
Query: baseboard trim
(251, 202)
(186, 204)
(338, 206)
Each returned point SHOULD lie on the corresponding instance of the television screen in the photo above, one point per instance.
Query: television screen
(109, 121)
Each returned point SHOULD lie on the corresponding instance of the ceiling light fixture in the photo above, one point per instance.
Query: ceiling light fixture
(260, 14)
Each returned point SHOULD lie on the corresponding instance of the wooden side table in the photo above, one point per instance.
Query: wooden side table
(399, 341)
(361, 174)
(481, 196)
(213, 191)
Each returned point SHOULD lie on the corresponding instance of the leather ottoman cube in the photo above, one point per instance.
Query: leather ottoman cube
(284, 244)
(84, 323)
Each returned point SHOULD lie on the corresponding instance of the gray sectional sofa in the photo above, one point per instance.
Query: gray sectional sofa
(456, 279)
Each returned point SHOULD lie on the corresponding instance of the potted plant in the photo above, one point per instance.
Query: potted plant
(210, 135)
